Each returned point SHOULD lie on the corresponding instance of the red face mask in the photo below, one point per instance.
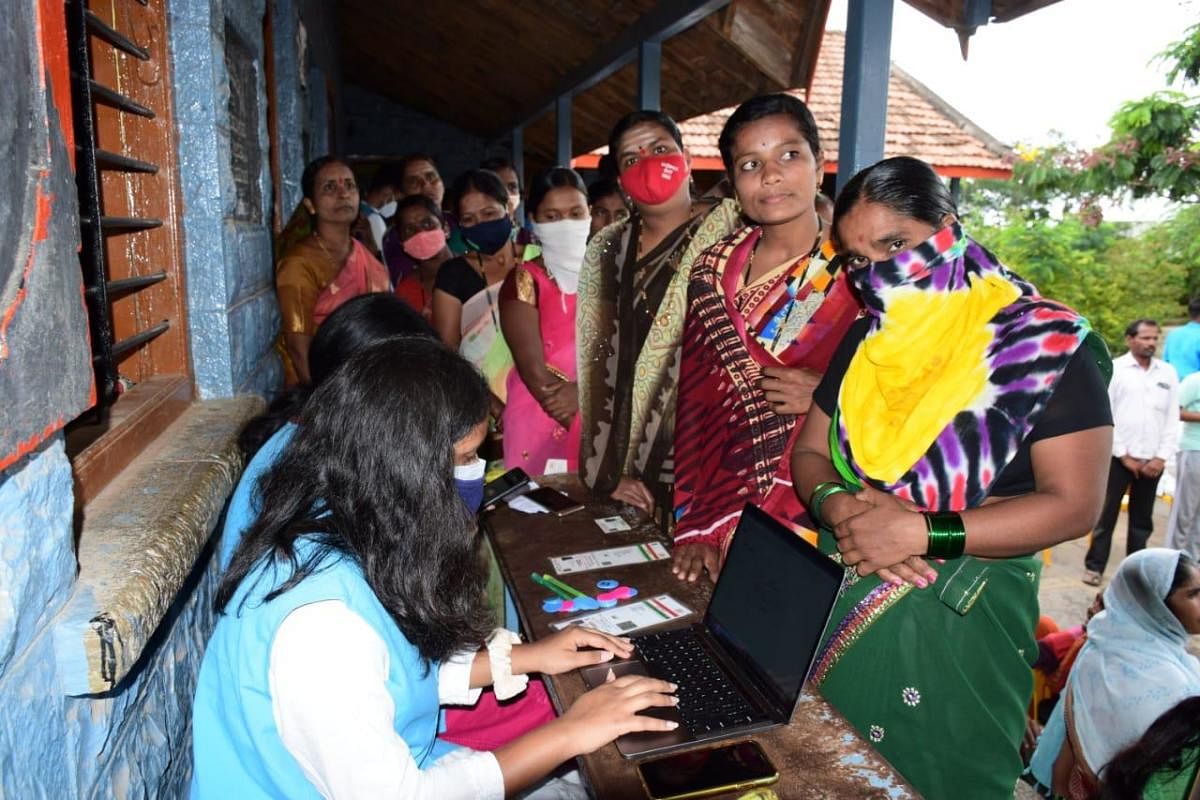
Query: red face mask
(654, 179)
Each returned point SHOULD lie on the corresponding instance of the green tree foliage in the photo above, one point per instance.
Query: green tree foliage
(1153, 147)
(1020, 199)
(1176, 245)
(1108, 277)
(1107, 272)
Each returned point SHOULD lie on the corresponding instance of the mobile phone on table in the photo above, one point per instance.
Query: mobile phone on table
(499, 488)
(554, 501)
(700, 773)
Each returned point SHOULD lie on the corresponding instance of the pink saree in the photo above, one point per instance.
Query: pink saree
(532, 438)
(362, 273)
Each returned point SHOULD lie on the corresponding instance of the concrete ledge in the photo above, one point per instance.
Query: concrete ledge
(140, 540)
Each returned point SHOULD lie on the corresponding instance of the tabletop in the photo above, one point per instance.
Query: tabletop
(818, 755)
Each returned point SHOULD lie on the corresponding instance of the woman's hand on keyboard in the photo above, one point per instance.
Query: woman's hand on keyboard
(570, 648)
(609, 711)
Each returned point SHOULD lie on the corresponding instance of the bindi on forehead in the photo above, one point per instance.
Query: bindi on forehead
(633, 149)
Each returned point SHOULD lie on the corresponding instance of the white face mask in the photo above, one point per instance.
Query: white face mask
(388, 208)
(563, 244)
(470, 472)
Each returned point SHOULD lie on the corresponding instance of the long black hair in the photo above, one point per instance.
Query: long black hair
(1171, 743)
(370, 475)
(769, 105)
(908, 186)
(353, 326)
(553, 178)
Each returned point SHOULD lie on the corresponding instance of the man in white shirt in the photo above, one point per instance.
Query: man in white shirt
(1144, 393)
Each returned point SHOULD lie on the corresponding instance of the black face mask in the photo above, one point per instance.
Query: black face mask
(488, 237)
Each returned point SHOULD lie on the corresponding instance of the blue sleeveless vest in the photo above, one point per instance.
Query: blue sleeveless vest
(236, 747)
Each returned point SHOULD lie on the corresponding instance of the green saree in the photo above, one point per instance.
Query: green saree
(955, 368)
(955, 658)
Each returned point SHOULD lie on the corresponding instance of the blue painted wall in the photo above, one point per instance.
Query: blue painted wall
(135, 740)
(233, 316)
(231, 302)
(132, 742)
(37, 570)
(377, 126)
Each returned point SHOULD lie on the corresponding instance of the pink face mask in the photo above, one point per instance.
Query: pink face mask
(426, 244)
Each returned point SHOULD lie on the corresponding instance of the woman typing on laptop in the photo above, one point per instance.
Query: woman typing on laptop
(962, 426)
(354, 608)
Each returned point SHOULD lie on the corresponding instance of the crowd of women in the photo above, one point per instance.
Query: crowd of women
(872, 376)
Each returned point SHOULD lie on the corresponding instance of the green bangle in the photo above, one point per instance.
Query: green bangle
(822, 488)
(947, 534)
(822, 493)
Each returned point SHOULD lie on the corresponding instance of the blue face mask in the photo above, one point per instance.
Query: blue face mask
(488, 237)
(469, 479)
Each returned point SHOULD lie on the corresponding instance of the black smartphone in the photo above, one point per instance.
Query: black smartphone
(496, 490)
(700, 773)
(554, 501)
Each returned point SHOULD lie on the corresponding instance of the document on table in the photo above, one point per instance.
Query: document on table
(635, 616)
(613, 557)
(613, 524)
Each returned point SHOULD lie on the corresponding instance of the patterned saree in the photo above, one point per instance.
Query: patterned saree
(959, 360)
(628, 325)
(731, 447)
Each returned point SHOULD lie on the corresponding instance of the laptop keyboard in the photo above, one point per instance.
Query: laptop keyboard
(708, 699)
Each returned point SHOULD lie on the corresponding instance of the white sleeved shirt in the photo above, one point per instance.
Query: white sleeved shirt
(1145, 407)
(378, 228)
(327, 678)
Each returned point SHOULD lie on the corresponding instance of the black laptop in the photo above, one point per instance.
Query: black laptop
(741, 669)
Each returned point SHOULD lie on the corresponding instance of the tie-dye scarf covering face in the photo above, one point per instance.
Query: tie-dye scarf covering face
(960, 359)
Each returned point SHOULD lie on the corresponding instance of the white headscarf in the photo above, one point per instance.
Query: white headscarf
(1134, 666)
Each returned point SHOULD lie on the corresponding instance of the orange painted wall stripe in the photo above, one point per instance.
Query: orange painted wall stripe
(52, 30)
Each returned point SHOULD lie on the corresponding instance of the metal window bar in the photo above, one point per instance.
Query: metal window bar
(95, 226)
(114, 37)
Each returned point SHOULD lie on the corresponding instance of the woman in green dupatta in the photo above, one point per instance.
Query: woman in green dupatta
(961, 427)
(630, 306)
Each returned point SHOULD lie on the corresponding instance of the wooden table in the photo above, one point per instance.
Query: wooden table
(818, 755)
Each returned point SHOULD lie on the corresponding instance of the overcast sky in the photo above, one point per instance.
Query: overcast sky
(1065, 67)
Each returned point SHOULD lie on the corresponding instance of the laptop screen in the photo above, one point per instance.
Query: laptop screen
(771, 603)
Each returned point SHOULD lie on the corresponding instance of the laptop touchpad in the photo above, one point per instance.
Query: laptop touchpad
(597, 674)
(632, 744)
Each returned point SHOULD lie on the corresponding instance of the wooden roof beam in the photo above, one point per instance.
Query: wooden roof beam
(666, 19)
(804, 57)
